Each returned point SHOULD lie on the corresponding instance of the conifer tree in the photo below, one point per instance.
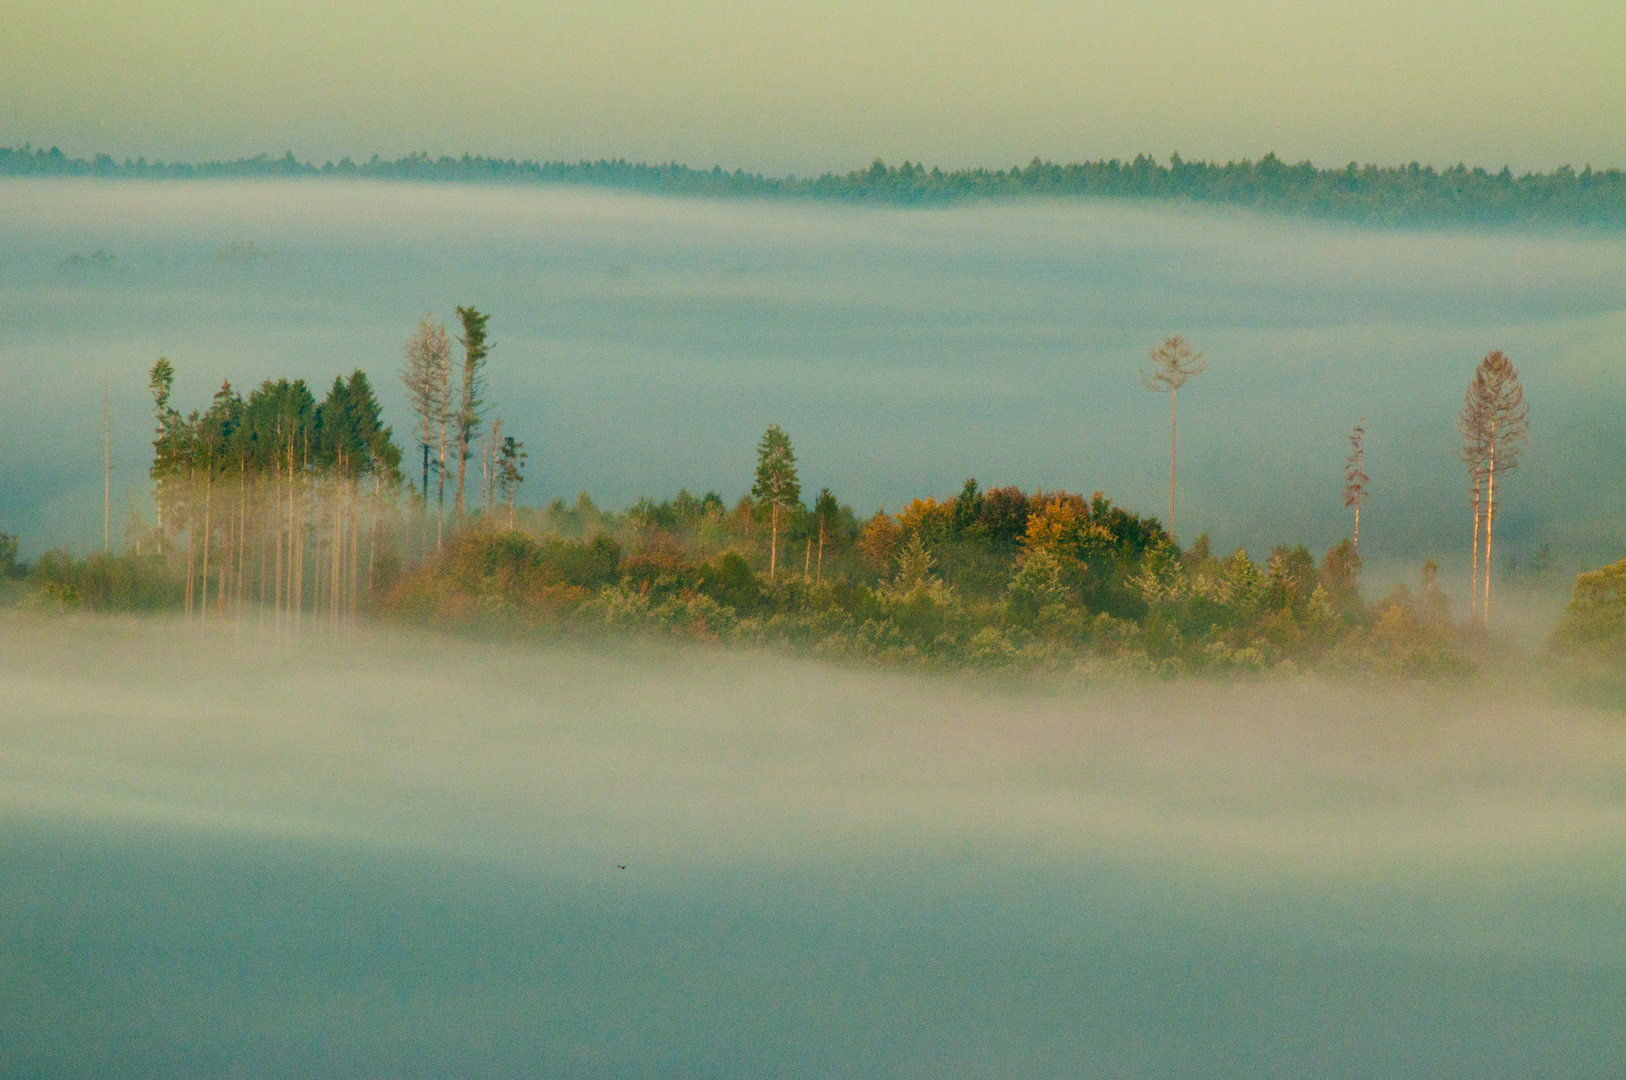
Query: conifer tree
(826, 509)
(510, 472)
(776, 483)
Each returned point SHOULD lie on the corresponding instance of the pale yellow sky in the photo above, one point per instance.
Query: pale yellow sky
(782, 85)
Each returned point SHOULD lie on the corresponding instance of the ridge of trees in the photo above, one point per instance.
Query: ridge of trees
(1410, 194)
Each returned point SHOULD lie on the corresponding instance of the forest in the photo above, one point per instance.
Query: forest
(1411, 194)
(281, 511)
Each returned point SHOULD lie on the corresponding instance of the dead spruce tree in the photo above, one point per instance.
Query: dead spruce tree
(426, 375)
(1173, 365)
(1356, 480)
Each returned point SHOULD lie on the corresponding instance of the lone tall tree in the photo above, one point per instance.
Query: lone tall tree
(1355, 479)
(777, 483)
(472, 403)
(1495, 423)
(428, 362)
(1173, 365)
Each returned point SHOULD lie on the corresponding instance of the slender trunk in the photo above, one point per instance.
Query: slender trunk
(820, 579)
(191, 533)
(510, 507)
(1174, 447)
(1473, 588)
(440, 506)
(335, 583)
(208, 492)
(462, 468)
(372, 531)
(107, 474)
(355, 537)
(1490, 518)
(773, 546)
(265, 538)
(242, 534)
(807, 563)
(1355, 547)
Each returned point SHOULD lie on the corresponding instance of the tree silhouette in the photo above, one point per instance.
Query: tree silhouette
(1173, 365)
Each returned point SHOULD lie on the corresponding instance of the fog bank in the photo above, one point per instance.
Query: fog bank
(643, 344)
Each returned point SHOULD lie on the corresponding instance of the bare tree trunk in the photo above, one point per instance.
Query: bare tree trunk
(440, 506)
(208, 491)
(820, 579)
(1174, 447)
(1490, 518)
(1355, 547)
(266, 520)
(191, 533)
(242, 535)
(107, 473)
(773, 546)
(355, 529)
(1473, 589)
(372, 532)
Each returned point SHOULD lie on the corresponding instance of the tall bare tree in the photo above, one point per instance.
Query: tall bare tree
(471, 406)
(1495, 424)
(1355, 479)
(1173, 365)
(427, 378)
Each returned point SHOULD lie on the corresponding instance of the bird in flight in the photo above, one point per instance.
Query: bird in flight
(620, 866)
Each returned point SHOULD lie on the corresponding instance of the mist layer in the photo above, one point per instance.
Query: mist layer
(404, 853)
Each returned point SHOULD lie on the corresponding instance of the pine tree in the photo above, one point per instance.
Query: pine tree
(826, 509)
(776, 484)
(510, 472)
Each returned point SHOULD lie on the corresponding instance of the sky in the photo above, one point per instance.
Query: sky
(808, 85)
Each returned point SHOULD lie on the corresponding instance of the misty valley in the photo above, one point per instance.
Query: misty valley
(541, 686)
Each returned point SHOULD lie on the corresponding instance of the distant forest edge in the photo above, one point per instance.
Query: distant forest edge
(1397, 195)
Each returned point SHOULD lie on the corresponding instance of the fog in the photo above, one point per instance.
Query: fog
(401, 854)
(644, 343)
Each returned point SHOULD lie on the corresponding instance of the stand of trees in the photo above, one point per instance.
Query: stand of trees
(288, 508)
(275, 502)
(1409, 194)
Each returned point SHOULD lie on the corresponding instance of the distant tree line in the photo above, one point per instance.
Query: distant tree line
(1409, 194)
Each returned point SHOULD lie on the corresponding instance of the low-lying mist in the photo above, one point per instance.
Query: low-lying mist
(415, 854)
(643, 344)
(571, 757)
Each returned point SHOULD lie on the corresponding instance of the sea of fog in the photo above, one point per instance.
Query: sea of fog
(644, 343)
(402, 855)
